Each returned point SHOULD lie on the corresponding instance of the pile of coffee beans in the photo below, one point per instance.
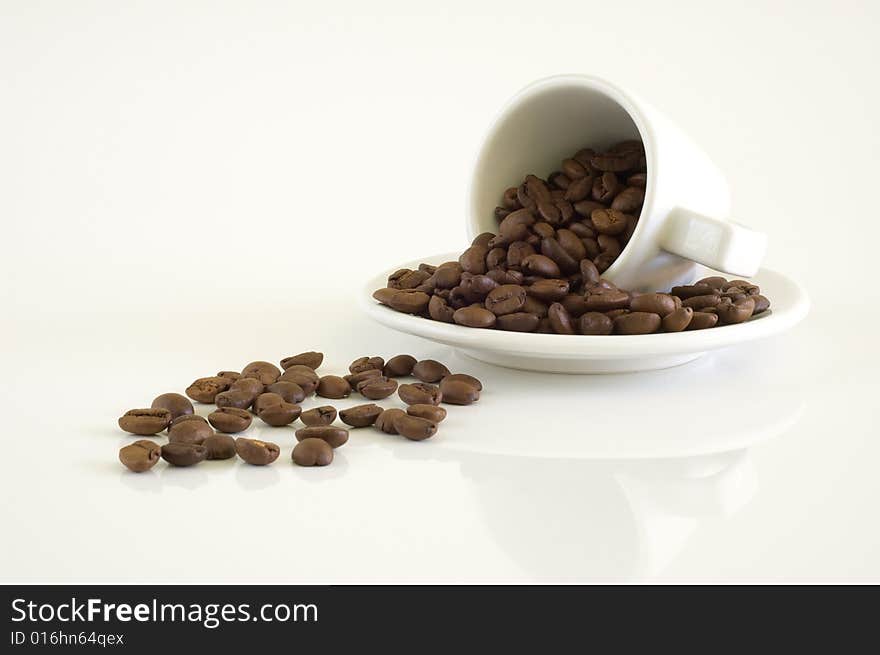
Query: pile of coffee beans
(274, 395)
(583, 303)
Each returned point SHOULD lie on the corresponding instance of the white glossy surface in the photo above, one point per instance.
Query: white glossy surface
(593, 354)
(186, 190)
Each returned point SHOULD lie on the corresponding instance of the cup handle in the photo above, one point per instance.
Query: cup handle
(721, 245)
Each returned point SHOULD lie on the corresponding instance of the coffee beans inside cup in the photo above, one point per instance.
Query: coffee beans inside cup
(261, 389)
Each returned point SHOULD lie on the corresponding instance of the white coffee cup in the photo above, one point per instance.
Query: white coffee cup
(684, 217)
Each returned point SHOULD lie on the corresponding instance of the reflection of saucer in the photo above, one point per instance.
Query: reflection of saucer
(594, 354)
(721, 403)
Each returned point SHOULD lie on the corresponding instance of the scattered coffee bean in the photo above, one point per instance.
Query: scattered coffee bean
(280, 414)
(377, 388)
(429, 370)
(360, 416)
(458, 392)
(430, 412)
(420, 393)
(265, 400)
(334, 436)
(468, 379)
(333, 386)
(204, 390)
(312, 452)
(291, 392)
(219, 446)
(307, 382)
(655, 303)
(400, 365)
(474, 316)
(265, 372)
(145, 422)
(256, 452)
(189, 431)
(324, 415)
(232, 375)
(385, 421)
(230, 419)
(234, 398)
(414, 428)
(311, 359)
(730, 313)
(362, 364)
(175, 403)
(251, 386)
(140, 456)
(184, 454)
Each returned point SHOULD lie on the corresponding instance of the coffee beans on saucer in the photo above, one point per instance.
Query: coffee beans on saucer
(274, 395)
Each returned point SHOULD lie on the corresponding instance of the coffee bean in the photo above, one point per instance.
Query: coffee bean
(184, 454)
(377, 388)
(193, 432)
(496, 257)
(145, 422)
(518, 322)
(473, 260)
(414, 428)
(560, 319)
(230, 419)
(579, 190)
(140, 456)
(385, 421)
(420, 394)
(534, 306)
(439, 310)
(656, 303)
(689, 291)
(234, 398)
(256, 452)
(737, 312)
(573, 168)
(467, 379)
(324, 415)
(204, 390)
(678, 319)
(265, 372)
(448, 275)
(610, 247)
(360, 416)
(251, 386)
(565, 263)
(571, 244)
(457, 392)
(484, 238)
(506, 299)
(280, 414)
(429, 370)
(517, 252)
(333, 386)
(601, 299)
(355, 379)
(188, 417)
(595, 323)
(232, 375)
(559, 179)
(614, 313)
(761, 304)
(605, 187)
(220, 446)
(702, 320)
(311, 359)
(609, 221)
(547, 291)
(362, 364)
(700, 302)
(715, 281)
(334, 436)
(474, 316)
(312, 452)
(399, 366)
(414, 302)
(629, 200)
(429, 412)
(175, 403)
(637, 323)
(540, 265)
(308, 383)
(291, 392)
(624, 161)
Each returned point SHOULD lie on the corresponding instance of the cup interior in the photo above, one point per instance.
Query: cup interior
(542, 125)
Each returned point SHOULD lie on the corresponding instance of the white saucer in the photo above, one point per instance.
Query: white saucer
(554, 353)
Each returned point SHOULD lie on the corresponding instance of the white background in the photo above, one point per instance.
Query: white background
(187, 186)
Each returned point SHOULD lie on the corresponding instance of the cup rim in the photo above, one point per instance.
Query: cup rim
(612, 91)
